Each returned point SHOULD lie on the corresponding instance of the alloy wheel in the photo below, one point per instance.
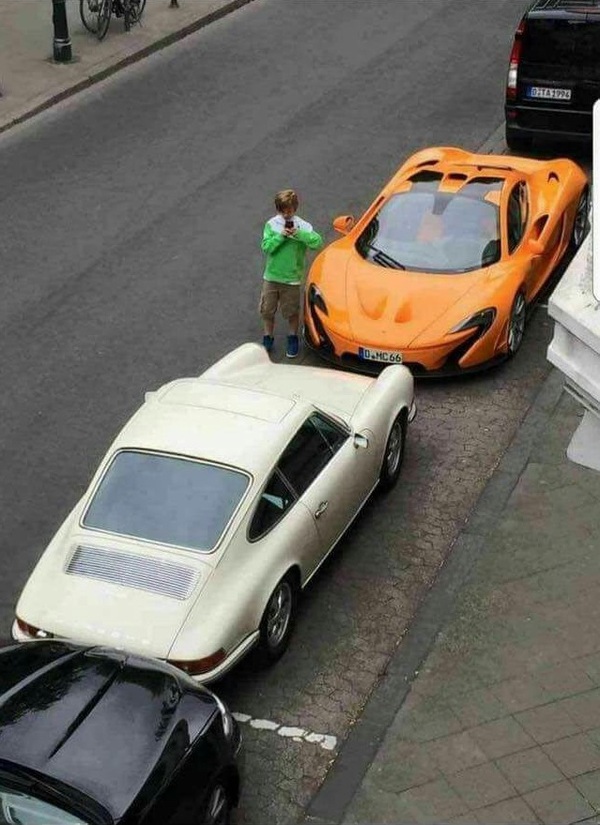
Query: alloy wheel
(581, 220)
(217, 812)
(394, 448)
(516, 325)
(279, 612)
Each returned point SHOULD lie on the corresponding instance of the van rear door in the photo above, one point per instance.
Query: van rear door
(560, 62)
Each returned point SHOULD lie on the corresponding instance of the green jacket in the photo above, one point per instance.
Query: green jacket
(286, 255)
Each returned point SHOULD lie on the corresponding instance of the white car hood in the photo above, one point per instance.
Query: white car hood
(103, 590)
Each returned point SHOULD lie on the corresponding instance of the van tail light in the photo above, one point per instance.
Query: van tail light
(513, 63)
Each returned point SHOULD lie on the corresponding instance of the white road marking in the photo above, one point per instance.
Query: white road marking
(325, 741)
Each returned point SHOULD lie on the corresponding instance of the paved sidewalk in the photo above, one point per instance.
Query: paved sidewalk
(502, 721)
(30, 80)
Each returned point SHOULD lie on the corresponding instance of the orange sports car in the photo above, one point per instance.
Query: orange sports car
(441, 269)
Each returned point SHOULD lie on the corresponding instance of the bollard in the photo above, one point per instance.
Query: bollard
(62, 42)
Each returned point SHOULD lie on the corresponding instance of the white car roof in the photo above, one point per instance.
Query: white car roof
(242, 412)
(242, 429)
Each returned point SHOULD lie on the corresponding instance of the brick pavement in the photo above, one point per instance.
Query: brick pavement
(502, 721)
(30, 80)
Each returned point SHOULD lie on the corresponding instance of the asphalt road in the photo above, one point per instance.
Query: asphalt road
(131, 219)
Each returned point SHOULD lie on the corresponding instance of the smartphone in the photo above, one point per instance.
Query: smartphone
(289, 224)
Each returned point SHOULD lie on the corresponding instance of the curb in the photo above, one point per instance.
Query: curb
(345, 776)
(102, 74)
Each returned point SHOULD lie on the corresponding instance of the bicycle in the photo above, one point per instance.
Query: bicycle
(95, 14)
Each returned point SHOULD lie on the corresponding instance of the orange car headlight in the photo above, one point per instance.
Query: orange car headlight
(481, 320)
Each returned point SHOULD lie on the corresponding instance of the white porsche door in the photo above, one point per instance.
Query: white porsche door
(331, 476)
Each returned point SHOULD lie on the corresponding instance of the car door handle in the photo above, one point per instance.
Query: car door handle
(321, 509)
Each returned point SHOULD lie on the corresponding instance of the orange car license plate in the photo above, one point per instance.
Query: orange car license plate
(384, 355)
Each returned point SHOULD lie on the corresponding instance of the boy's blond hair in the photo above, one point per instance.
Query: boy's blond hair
(286, 199)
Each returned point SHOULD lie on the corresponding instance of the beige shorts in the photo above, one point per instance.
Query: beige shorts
(284, 296)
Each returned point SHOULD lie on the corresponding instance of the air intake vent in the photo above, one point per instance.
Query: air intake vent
(139, 572)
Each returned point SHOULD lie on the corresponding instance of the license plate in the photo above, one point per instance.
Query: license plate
(384, 355)
(545, 93)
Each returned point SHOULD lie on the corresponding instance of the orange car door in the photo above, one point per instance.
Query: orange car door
(518, 208)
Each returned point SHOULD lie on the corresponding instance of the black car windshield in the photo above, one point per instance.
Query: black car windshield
(166, 499)
(19, 807)
(430, 231)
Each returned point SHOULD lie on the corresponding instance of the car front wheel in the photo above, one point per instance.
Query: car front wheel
(278, 620)
(218, 809)
(393, 455)
(516, 324)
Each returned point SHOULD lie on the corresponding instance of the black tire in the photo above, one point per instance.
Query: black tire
(517, 143)
(516, 325)
(278, 620)
(136, 9)
(104, 12)
(581, 223)
(218, 808)
(393, 455)
(88, 11)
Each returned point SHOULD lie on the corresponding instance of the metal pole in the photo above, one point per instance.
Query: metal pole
(62, 41)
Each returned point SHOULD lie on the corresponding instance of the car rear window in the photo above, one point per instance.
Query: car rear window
(562, 42)
(166, 499)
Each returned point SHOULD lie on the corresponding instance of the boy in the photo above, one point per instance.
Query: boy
(286, 238)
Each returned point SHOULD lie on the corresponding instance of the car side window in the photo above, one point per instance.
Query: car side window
(518, 208)
(309, 451)
(332, 432)
(275, 501)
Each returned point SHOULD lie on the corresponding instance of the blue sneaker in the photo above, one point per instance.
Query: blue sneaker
(268, 342)
(292, 346)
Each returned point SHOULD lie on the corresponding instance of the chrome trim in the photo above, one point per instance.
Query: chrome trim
(412, 412)
(139, 572)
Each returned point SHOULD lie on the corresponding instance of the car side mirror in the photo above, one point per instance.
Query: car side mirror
(343, 224)
(360, 441)
(535, 246)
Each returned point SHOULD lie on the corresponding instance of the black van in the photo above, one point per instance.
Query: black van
(554, 72)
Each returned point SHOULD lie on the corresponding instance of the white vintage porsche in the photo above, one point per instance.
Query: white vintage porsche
(214, 507)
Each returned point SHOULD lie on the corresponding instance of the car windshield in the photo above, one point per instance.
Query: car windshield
(431, 231)
(166, 499)
(24, 809)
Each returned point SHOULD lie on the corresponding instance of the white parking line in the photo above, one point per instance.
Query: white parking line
(296, 734)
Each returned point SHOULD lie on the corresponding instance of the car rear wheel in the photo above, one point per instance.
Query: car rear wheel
(516, 324)
(393, 455)
(580, 223)
(278, 620)
(218, 808)
(517, 143)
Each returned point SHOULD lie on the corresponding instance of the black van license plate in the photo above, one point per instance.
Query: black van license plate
(546, 93)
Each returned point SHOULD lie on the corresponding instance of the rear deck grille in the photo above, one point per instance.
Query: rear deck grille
(140, 572)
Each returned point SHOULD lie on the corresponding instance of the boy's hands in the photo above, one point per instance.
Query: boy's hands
(289, 232)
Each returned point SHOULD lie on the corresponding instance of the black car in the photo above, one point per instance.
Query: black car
(93, 736)
(554, 73)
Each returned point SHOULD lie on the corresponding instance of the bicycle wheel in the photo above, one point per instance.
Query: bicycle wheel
(104, 11)
(88, 11)
(136, 9)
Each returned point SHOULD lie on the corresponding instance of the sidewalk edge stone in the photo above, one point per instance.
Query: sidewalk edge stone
(360, 747)
(107, 71)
